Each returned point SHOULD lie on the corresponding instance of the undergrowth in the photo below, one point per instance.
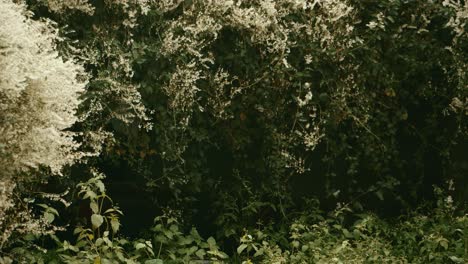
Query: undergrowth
(431, 234)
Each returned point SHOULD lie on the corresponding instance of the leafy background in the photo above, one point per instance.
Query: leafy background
(283, 131)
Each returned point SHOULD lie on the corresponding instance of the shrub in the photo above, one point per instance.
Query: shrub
(437, 236)
(38, 99)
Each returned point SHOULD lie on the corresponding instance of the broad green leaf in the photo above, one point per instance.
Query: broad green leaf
(90, 194)
(101, 186)
(97, 220)
(53, 210)
(347, 233)
(115, 225)
(241, 248)
(259, 252)
(154, 261)
(211, 242)
(192, 250)
(106, 261)
(295, 244)
(94, 207)
(174, 228)
(444, 243)
(139, 246)
(49, 217)
(456, 259)
(200, 253)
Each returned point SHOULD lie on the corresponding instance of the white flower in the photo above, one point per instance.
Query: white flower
(372, 24)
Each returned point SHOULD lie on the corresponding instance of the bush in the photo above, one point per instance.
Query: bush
(241, 116)
(433, 237)
(38, 99)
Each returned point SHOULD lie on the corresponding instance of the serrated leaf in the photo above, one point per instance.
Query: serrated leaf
(97, 220)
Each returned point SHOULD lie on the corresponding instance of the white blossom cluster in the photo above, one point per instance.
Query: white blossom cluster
(38, 94)
(61, 6)
(267, 24)
(6, 205)
(38, 98)
(264, 21)
(459, 21)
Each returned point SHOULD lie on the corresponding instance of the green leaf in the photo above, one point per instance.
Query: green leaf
(241, 248)
(444, 243)
(211, 242)
(90, 194)
(380, 195)
(259, 252)
(139, 246)
(97, 220)
(456, 259)
(295, 243)
(168, 234)
(99, 242)
(94, 207)
(49, 217)
(45, 206)
(200, 253)
(154, 261)
(347, 233)
(106, 261)
(101, 186)
(174, 228)
(192, 250)
(53, 210)
(115, 224)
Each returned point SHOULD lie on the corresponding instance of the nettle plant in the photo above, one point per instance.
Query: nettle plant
(94, 191)
(97, 241)
(174, 245)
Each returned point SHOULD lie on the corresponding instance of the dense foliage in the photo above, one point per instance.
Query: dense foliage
(284, 131)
